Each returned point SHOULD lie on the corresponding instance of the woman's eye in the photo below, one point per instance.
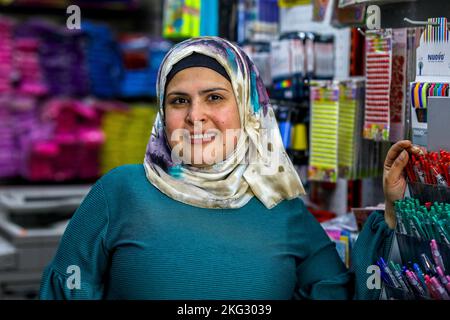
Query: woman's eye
(179, 101)
(215, 97)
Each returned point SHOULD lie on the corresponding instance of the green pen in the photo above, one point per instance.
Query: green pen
(445, 236)
(426, 226)
(419, 227)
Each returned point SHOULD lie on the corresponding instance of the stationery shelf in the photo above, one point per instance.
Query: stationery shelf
(393, 12)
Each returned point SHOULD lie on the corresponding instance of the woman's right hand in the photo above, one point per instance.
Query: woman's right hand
(394, 182)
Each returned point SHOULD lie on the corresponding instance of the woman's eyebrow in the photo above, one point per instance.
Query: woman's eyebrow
(177, 93)
(206, 91)
(202, 92)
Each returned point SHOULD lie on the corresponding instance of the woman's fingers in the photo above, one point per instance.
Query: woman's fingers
(398, 147)
(396, 170)
(417, 150)
(395, 150)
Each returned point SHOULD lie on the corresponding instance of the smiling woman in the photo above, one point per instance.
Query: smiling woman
(201, 112)
(214, 211)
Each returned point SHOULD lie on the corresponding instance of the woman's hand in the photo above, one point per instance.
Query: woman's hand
(394, 182)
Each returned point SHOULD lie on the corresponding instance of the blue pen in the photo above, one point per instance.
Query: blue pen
(427, 264)
(383, 274)
(389, 273)
(419, 274)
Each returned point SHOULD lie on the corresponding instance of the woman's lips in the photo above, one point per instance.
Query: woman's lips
(202, 138)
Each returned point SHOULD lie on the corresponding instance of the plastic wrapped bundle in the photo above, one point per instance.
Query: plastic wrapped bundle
(103, 60)
(27, 65)
(6, 54)
(142, 58)
(91, 141)
(126, 130)
(142, 117)
(78, 139)
(8, 147)
(22, 122)
(115, 126)
(61, 56)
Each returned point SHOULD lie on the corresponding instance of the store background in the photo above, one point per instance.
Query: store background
(75, 104)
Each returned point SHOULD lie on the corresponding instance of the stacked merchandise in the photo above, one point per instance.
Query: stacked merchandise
(27, 65)
(141, 58)
(257, 20)
(337, 147)
(351, 95)
(140, 124)
(296, 58)
(323, 161)
(103, 60)
(8, 156)
(6, 54)
(61, 56)
(387, 74)
(66, 145)
(378, 73)
(7, 162)
(126, 129)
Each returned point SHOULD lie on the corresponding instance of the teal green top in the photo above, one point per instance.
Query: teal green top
(130, 241)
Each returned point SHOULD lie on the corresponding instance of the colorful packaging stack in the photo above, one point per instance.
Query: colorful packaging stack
(126, 129)
(26, 63)
(66, 145)
(323, 163)
(378, 73)
(140, 125)
(6, 54)
(61, 56)
(142, 58)
(8, 147)
(103, 59)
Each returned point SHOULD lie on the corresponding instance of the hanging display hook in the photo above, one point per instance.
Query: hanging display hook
(361, 31)
(421, 23)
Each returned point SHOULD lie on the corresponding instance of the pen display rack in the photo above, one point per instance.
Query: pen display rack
(423, 238)
(420, 278)
(412, 248)
(428, 192)
(429, 176)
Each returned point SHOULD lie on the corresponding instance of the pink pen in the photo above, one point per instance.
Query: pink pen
(415, 283)
(436, 254)
(442, 292)
(434, 294)
(443, 279)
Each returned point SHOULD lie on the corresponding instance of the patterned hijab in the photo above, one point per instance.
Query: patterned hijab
(258, 166)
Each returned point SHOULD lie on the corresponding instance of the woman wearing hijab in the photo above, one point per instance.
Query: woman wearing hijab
(214, 211)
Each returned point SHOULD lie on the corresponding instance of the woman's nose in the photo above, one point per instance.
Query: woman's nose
(196, 113)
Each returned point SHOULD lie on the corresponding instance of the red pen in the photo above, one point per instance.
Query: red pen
(419, 172)
(440, 180)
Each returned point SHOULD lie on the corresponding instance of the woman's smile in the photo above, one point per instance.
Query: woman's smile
(203, 138)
